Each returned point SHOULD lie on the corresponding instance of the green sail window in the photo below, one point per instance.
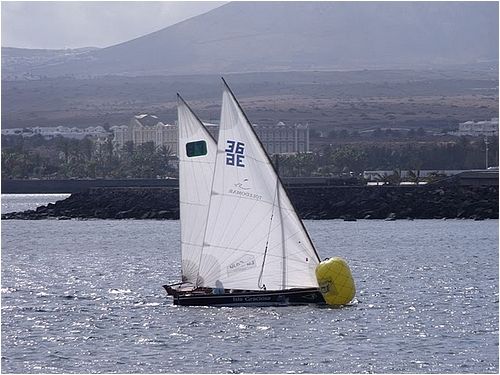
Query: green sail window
(197, 148)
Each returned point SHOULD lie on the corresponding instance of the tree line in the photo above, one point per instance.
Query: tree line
(327, 160)
(62, 158)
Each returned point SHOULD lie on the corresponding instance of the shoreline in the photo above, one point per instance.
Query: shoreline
(350, 203)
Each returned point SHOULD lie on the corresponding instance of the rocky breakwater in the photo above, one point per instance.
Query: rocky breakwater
(397, 202)
(332, 202)
(109, 203)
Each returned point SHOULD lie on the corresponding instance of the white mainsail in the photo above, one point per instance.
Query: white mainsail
(197, 150)
(254, 238)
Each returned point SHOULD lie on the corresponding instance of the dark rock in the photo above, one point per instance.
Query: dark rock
(333, 202)
(348, 218)
(391, 217)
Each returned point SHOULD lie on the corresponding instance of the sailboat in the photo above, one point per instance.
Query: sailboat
(242, 241)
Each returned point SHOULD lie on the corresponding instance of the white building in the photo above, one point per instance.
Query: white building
(277, 139)
(97, 132)
(138, 132)
(486, 128)
(284, 139)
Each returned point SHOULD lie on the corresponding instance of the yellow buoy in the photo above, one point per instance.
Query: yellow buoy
(335, 281)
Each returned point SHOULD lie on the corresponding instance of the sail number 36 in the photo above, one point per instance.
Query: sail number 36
(234, 153)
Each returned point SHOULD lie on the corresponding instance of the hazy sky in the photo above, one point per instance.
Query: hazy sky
(68, 24)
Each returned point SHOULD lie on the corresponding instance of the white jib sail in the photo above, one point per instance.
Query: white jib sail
(197, 150)
(254, 237)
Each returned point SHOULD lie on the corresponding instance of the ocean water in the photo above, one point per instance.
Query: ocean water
(23, 202)
(87, 297)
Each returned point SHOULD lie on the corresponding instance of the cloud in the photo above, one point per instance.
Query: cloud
(94, 23)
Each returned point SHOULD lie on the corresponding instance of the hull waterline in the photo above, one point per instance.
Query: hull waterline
(249, 298)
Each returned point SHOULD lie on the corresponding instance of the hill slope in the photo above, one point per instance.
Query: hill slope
(281, 36)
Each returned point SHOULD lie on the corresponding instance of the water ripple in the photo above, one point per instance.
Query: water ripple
(86, 296)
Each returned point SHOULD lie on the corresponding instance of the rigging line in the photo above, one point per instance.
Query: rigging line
(238, 246)
(259, 281)
(257, 160)
(213, 267)
(190, 243)
(286, 239)
(291, 214)
(237, 249)
(283, 248)
(199, 162)
(240, 279)
(193, 204)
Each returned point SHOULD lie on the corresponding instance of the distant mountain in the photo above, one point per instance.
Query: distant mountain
(283, 36)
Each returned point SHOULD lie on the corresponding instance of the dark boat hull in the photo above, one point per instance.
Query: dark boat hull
(252, 298)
